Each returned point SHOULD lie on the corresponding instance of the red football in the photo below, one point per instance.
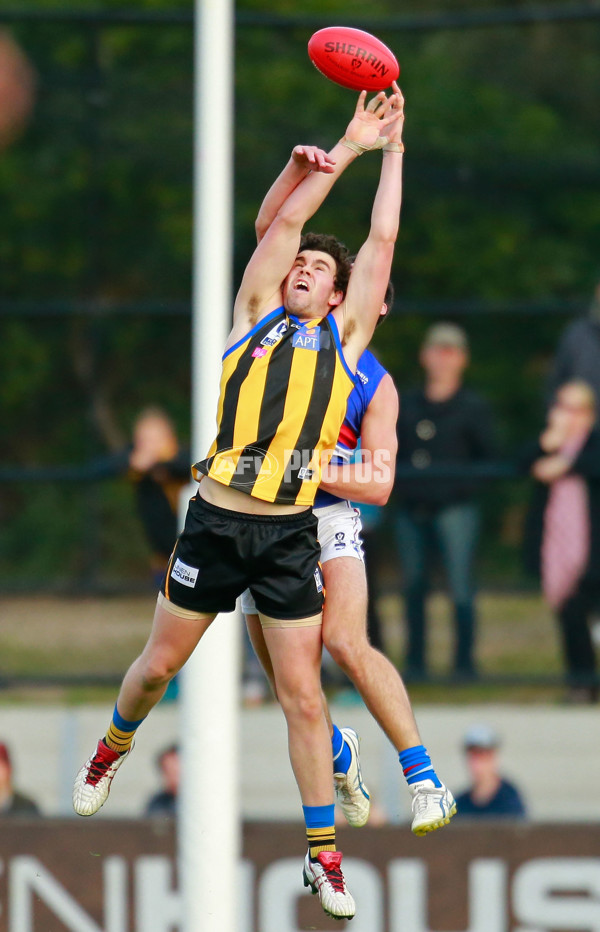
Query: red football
(353, 58)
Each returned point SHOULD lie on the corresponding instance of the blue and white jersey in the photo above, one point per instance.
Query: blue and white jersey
(369, 373)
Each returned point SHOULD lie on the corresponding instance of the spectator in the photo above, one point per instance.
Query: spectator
(442, 424)
(11, 801)
(489, 796)
(563, 534)
(578, 352)
(160, 468)
(164, 803)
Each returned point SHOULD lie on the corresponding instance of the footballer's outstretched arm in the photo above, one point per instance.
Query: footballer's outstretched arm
(303, 160)
(260, 291)
(358, 314)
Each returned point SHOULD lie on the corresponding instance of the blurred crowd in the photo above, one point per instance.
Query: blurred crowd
(446, 430)
(446, 433)
(445, 424)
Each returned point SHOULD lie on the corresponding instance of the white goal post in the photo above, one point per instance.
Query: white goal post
(209, 832)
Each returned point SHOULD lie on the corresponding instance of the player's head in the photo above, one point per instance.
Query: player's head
(318, 278)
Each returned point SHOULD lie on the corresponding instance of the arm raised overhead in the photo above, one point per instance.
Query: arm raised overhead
(296, 200)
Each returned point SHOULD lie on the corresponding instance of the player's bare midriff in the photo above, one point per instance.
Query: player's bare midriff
(223, 496)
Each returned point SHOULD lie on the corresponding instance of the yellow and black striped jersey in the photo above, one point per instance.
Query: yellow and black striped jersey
(284, 389)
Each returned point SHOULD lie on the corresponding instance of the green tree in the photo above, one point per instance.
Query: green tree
(502, 207)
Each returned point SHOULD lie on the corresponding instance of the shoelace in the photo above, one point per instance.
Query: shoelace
(336, 879)
(98, 768)
(422, 800)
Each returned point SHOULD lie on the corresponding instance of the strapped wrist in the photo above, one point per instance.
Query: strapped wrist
(357, 147)
(380, 143)
(393, 147)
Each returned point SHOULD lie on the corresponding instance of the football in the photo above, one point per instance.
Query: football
(353, 58)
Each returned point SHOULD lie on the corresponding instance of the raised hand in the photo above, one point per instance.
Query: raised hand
(313, 159)
(369, 122)
(393, 130)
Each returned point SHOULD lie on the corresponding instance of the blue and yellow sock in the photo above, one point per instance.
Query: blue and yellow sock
(320, 829)
(120, 734)
(416, 765)
(342, 754)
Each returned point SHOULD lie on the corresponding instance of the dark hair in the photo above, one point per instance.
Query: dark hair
(323, 242)
(388, 301)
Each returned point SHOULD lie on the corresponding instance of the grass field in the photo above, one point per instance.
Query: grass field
(92, 640)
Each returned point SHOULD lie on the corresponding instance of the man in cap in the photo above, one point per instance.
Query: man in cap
(489, 796)
(442, 424)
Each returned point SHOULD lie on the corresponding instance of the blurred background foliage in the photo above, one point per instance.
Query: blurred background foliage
(500, 232)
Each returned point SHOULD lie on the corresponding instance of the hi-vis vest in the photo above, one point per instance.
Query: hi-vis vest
(284, 389)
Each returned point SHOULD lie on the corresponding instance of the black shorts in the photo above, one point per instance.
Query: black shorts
(221, 552)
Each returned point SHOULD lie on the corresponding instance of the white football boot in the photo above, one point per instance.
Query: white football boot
(432, 806)
(350, 791)
(324, 877)
(92, 783)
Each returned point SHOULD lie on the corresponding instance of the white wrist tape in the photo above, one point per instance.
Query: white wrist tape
(360, 148)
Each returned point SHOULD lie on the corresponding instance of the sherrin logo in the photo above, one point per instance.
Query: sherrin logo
(359, 55)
